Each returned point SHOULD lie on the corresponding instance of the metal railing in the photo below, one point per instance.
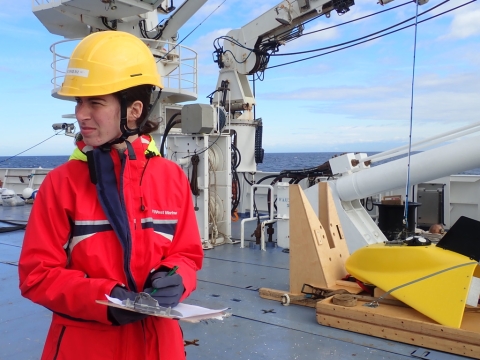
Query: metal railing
(180, 61)
(184, 59)
(252, 217)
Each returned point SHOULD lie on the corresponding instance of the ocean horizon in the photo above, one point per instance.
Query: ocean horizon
(272, 162)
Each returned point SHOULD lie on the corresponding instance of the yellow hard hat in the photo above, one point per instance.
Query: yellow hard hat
(109, 61)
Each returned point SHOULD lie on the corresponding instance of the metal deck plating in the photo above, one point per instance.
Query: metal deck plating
(231, 277)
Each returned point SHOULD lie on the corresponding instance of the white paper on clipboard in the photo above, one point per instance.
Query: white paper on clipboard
(185, 312)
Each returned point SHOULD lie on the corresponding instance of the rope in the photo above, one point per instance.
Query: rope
(405, 214)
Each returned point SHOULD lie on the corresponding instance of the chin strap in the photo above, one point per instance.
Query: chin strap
(126, 131)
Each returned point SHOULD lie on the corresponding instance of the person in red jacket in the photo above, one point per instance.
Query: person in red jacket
(114, 219)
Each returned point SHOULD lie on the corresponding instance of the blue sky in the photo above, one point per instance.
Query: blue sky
(357, 99)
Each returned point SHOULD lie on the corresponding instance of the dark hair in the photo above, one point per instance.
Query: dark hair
(142, 93)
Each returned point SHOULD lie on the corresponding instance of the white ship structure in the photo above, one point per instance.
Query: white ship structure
(219, 145)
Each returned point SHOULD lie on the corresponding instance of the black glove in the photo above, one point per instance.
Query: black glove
(167, 290)
(119, 316)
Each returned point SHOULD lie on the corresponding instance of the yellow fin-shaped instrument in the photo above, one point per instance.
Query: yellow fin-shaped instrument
(432, 280)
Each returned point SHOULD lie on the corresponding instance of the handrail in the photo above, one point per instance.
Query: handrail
(252, 217)
(182, 78)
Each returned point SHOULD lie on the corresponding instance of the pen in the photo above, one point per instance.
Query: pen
(170, 273)
(173, 271)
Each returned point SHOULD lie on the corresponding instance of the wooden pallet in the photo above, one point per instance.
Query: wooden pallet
(404, 324)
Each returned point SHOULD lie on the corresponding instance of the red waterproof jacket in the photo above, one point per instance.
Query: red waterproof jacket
(82, 240)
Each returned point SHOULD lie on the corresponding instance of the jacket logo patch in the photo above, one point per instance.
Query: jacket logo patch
(164, 212)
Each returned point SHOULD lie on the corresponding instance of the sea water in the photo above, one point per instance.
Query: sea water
(46, 162)
(272, 162)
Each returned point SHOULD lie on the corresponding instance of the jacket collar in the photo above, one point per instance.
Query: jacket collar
(142, 141)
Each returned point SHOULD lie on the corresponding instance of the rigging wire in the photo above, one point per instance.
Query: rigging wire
(405, 214)
(269, 47)
(376, 37)
(288, 32)
(196, 27)
(278, 38)
(363, 37)
(41, 142)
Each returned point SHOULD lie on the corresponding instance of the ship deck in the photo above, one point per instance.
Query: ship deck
(231, 277)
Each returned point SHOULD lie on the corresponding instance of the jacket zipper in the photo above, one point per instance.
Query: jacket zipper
(59, 342)
(128, 246)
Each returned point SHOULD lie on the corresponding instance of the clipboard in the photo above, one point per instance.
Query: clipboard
(183, 312)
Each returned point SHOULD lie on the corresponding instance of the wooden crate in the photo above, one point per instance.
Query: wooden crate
(404, 324)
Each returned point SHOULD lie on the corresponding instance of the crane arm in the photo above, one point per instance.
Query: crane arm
(245, 50)
(244, 47)
(180, 17)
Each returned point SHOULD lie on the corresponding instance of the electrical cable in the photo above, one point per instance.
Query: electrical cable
(219, 48)
(12, 228)
(363, 37)
(238, 158)
(194, 179)
(105, 23)
(236, 161)
(269, 47)
(279, 36)
(13, 222)
(376, 37)
(208, 147)
(170, 124)
(367, 200)
(15, 226)
(144, 32)
(248, 181)
(266, 177)
(41, 142)
(238, 192)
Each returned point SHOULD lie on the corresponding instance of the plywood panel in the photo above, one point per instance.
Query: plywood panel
(405, 325)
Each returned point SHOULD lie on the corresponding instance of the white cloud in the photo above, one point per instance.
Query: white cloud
(439, 98)
(466, 25)
(332, 134)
